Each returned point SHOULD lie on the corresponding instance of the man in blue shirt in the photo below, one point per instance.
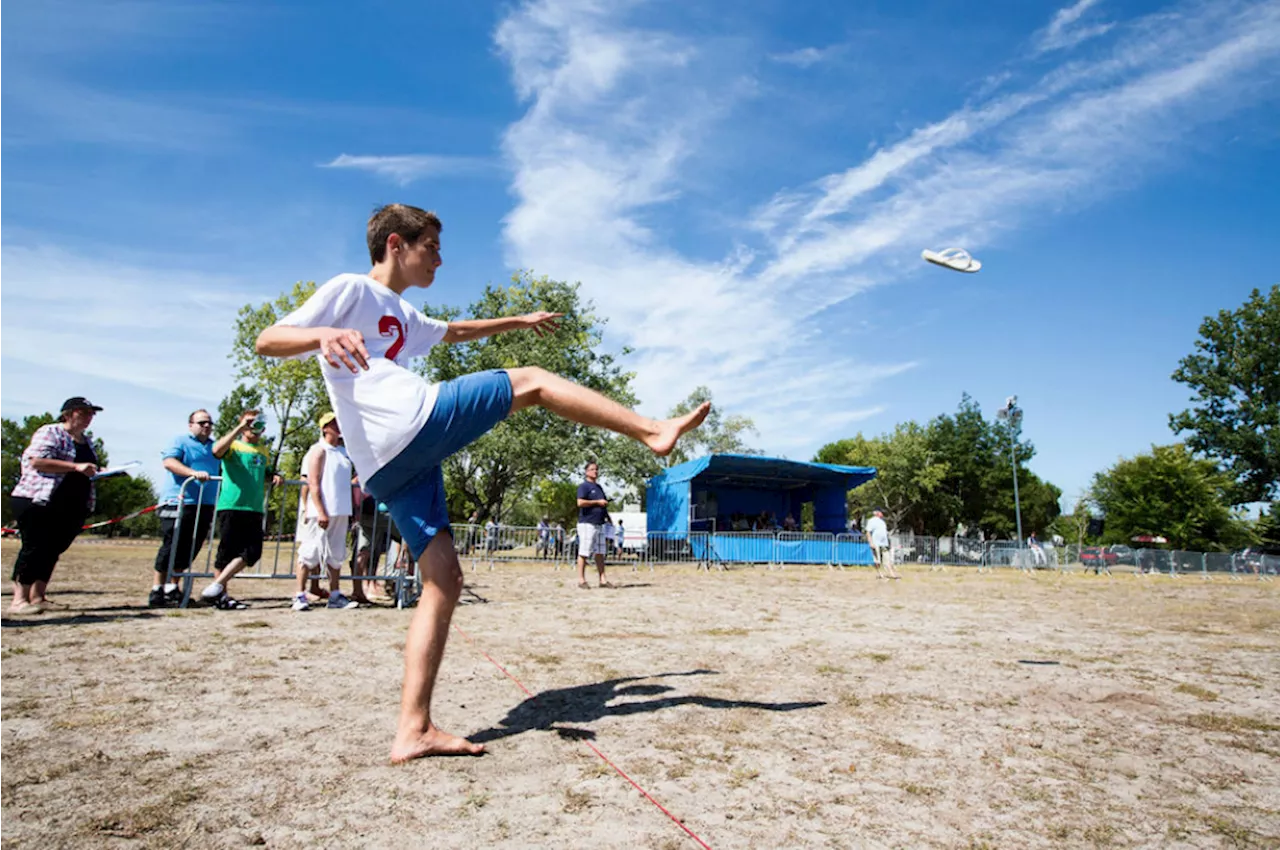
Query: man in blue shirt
(593, 506)
(188, 456)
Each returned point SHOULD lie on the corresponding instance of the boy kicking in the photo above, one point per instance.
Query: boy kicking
(399, 428)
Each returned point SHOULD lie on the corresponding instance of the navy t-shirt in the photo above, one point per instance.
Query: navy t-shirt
(593, 515)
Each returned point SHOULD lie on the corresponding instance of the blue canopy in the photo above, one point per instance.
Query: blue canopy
(688, 496)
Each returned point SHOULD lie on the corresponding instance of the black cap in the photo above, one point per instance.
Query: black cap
(79, 402)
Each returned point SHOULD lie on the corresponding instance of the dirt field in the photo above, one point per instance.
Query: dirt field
(800, 708)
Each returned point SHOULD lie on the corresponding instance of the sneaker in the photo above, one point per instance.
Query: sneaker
(300, 603)
(157, 599)
(174, 596)
(338, 600)
(226, 603)
(212, 593)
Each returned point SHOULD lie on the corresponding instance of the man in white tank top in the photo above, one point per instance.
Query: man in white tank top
(322, 538)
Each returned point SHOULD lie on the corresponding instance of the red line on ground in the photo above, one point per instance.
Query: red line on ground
(592, 746)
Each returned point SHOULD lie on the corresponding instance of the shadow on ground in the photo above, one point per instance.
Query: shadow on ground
(589, 703)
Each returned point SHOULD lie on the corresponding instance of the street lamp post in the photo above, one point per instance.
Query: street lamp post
(1013, 415)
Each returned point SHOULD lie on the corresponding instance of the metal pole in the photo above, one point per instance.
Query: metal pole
(1017, 504)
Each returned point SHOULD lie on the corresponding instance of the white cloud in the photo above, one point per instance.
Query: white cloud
(807, 57)
(1062, 32)
(593, 168)
(147, 340)
(408, 168)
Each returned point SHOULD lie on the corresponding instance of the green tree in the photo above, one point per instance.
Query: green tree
(502, 467)
(1267, 527)
(1173, 493)
(1235, 376)
(718, 434)
(290, 392)
(979, 475)
(908, 482)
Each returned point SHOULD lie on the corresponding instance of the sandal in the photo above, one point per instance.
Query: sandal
(609, 585)
(583, 586)
(226, 603)
(957, 259)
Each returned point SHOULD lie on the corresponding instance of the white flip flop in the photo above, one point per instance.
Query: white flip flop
(956, 259)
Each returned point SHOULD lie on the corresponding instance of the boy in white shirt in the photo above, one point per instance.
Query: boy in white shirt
(322, 538)
(399, 428)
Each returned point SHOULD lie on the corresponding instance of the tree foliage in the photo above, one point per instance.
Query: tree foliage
(1235, 376)
(909, 477)
(503, 466)
(1172, 493)
(720, 433)
(290, 392)
(956, 472)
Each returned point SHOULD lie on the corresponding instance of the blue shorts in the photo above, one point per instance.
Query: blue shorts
(412, 484)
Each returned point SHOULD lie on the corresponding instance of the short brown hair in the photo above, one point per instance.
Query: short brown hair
(409, 222)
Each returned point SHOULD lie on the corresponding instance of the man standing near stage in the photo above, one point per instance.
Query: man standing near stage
(592, 508)
(881, 549)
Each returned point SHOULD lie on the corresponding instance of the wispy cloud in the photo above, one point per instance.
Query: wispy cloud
(1063, 32)
(409, 168)
(593, 171)
(806, 57)
(139, 338)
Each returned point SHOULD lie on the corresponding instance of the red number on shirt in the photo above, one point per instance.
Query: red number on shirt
(390, 326)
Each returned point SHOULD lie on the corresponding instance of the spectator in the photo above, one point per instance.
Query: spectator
(241, 506)
(592, 509)
(881, 549)
(374, 535)
(622, 538)
(1037, 551)
(557, 537)
(490, 536)
(789, 524)
(185, 528)
(543, 548)
(51, 500)
(323, 541)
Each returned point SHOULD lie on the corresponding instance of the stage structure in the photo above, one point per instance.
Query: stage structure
(703, 499)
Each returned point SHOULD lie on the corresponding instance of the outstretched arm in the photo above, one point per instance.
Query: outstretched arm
(335, 344)
(472, 329)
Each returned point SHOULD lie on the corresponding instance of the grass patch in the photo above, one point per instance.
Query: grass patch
(742, 776)
(848, 699)
(1230, 723)
(879, 657)
(925, 791)
(253, 624)
(1197, 692)
(831, 670)
(723, 632)
(575, 801)
(549, 659)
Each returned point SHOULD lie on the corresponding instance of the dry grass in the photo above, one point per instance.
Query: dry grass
(835, 706)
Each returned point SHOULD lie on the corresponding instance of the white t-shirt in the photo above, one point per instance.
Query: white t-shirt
(878, 532)
(335, 479)
(382, 409)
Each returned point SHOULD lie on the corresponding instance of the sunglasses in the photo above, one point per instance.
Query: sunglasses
(203, 422)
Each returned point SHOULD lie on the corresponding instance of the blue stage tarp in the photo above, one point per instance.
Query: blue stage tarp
(742, 549)
(718, 486)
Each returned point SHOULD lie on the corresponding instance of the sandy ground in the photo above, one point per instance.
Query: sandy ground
(796, 708)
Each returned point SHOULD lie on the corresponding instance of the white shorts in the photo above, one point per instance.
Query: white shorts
(323, 546)
(591, 539)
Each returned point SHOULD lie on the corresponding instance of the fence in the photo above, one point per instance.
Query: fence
(375, 537)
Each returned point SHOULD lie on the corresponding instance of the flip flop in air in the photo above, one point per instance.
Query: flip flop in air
(956, 259)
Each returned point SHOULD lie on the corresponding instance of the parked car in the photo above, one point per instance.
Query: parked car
(1124, 554)
(1098, 558)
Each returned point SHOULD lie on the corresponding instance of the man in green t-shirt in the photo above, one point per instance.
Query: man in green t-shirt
(246, 463)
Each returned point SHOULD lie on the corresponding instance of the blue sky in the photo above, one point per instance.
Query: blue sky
(743, 189)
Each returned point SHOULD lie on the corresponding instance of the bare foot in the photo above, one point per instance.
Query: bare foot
(671, 430)
(433, 742)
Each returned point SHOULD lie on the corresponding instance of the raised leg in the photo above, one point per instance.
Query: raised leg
(534, 386)
(416, 735)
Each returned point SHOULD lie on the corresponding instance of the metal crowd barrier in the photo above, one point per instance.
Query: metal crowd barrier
(279, 550)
